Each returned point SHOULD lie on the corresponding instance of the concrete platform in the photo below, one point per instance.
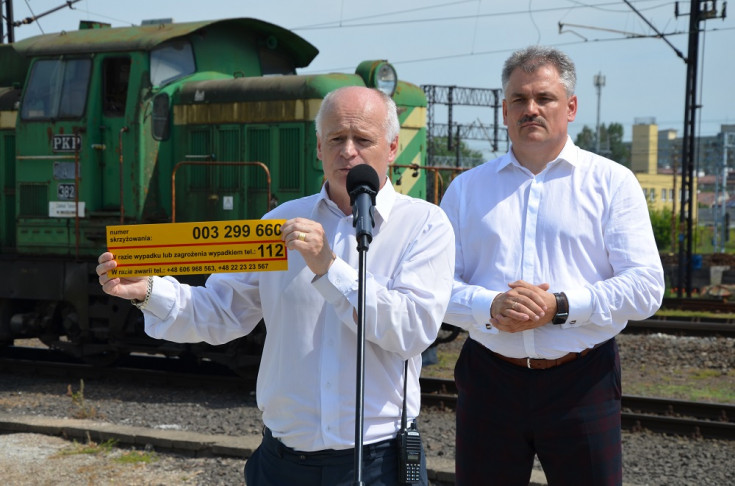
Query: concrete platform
(182, 442)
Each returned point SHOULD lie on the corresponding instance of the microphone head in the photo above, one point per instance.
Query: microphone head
(362, 175)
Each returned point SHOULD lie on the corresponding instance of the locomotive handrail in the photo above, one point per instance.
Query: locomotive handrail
(122, 194)
(44, 157)
(188, 162)
(76, 200)
(438, 181)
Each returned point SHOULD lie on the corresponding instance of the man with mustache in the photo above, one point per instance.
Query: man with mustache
(554, 254)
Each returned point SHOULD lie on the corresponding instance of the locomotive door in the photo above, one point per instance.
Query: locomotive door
(118, 138)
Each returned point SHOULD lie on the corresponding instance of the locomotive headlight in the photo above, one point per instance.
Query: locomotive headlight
(380, 75)
(386, 79)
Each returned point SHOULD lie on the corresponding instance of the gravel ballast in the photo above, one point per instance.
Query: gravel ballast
(649, 458)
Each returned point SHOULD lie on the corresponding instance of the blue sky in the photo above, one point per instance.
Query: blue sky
(465, 43)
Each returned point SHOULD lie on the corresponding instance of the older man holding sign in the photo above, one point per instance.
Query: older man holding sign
(306, 382)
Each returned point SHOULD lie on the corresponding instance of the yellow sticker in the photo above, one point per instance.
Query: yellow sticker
(190, 248)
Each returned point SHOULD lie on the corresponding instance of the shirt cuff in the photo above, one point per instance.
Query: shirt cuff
(163, 298)
(339, 281)
(581, 305)
(481, 303)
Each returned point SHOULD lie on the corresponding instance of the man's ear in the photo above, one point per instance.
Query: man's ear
(393, 153)
(572, 108)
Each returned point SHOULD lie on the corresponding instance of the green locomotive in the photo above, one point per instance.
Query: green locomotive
(197, 121)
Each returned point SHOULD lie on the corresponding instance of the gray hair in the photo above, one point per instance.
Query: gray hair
(533, 57)
(391, 125)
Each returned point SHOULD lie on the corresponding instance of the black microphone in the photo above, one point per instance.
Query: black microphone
(362, 186)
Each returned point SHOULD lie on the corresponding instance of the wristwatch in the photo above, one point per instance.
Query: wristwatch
(562, 308)
(140, 304)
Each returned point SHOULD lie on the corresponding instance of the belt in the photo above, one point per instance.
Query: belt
(327, 456)
(545, 364)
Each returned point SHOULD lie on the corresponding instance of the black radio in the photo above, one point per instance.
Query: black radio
(409, 455)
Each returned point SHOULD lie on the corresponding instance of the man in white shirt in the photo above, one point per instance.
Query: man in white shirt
(307, 380)
(554, 254)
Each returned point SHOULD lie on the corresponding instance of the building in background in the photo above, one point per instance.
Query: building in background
(710, 152)
(661, 184)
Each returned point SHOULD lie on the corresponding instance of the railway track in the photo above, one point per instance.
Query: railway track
(699, 305)
(152, 369)
(711, 420)
(693, 326)
(639, 413)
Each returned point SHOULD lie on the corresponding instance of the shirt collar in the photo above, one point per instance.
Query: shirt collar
(569, 154)
(383, 201)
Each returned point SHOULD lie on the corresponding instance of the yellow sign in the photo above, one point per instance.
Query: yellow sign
(189, 248)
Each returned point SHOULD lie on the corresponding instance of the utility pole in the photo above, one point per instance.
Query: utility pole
(9, 21)
(719, 211)
(728, 143)
(719, 203)
(696, 16)
(599, 83)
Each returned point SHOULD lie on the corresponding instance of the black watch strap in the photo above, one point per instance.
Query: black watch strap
(562, 308)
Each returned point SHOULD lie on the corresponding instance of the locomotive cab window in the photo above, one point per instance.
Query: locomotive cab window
(57, 89)
(116, 77)
(170, 61)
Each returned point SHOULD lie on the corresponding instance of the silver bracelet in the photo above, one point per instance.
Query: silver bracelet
(140, 304)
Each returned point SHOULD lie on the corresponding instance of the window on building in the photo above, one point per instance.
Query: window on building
(663, 195)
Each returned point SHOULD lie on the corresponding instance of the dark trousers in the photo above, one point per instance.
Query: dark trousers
(274, 464)
(569, 416)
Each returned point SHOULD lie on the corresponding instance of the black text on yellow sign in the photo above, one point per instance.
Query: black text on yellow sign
(189, 248)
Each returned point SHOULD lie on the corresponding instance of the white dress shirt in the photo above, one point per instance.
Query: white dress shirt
(306, 382)
(581, 225)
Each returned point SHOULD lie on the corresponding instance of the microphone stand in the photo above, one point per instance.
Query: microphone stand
(362, 248)
(362, 185)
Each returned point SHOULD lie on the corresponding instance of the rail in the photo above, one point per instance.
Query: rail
(665, 415)
(698, 304)
(683, 326)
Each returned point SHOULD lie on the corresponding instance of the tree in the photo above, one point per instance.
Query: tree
(586, 139)
(611, 142)
(619, 152)
(661, 222)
